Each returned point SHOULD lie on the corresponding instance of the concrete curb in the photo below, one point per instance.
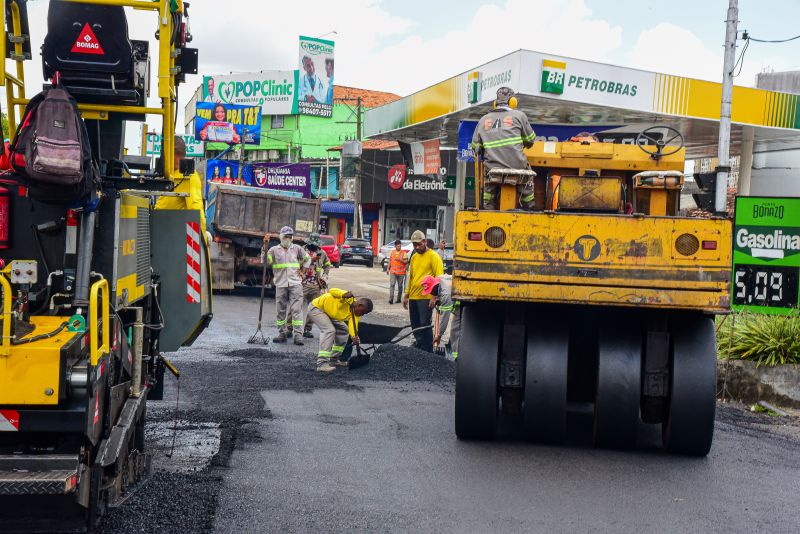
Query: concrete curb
(749, 384)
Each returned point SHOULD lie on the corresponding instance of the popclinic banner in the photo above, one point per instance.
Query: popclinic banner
(315, 83)
(274, 90)
(225, 123)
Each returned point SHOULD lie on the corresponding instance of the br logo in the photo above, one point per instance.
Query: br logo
(587, 247)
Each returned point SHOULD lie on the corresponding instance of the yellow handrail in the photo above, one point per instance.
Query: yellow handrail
(5, 346)
(96, 352)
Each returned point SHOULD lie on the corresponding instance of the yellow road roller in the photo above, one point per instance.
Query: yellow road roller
(598, 302)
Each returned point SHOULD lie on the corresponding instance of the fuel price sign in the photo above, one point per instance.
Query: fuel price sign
(766, 254)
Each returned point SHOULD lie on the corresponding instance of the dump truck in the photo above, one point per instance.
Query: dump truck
(597, 304)
(94, 289)
(239, 218)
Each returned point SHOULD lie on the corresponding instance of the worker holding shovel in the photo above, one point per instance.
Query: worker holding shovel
(336, 314)
(441, 289)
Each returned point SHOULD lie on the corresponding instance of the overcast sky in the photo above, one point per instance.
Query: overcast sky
(402, 46)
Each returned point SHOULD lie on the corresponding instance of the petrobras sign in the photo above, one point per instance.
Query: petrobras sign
(584, 81)
(275, 91)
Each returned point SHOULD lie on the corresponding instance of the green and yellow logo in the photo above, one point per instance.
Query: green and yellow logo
(474, 87)
(553, 73)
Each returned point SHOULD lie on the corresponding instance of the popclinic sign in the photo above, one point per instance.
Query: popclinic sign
(766, 255)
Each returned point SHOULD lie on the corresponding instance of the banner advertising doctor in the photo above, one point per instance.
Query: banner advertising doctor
(315, 86)
(224, 123)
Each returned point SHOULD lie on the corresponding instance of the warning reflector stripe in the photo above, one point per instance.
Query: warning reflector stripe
(9, 421)
(193, 262)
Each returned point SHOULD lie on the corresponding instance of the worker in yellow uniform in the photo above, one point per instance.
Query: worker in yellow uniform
(192, 185)
(423, 262)
(336, 314)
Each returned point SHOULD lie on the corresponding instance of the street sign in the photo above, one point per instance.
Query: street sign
(450, 183)
(194, 148)
(766, 255)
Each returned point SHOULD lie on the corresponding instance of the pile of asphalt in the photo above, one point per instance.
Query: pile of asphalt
(227, 391)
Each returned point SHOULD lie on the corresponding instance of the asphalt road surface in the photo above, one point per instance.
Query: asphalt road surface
(265, 444)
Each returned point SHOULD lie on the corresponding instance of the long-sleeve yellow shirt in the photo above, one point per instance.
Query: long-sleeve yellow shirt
(193, 186)
(337, 308)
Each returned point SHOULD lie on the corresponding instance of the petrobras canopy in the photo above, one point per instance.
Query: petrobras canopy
(274, 90)
(560, 90)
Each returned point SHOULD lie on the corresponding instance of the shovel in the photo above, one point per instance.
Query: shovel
(258, 338)
(363, 355)
(438, 349)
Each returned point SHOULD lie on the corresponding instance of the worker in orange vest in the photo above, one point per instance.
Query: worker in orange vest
(398, 262)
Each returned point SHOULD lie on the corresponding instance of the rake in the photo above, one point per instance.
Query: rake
(259, 338)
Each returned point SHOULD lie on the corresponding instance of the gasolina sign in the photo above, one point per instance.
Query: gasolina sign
(766, 254)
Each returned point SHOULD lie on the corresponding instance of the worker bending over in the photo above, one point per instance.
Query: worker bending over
(499, 139)
(286, 261)
(441, 290)
(336, 314)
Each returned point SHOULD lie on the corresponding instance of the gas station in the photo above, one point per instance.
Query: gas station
(566, 95)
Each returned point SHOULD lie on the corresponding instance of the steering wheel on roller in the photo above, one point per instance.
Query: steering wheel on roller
(645, 136)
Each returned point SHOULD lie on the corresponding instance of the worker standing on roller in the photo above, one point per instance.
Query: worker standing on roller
(286, 261)
(398, 261)
(499, 138)
(424, 262)
(336, 314)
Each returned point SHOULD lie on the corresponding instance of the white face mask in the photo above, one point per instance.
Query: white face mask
(286, 242)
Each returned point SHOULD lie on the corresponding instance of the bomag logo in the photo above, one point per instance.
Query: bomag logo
(587, 247)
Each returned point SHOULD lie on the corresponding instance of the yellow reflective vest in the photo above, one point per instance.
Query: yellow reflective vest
(337, 308)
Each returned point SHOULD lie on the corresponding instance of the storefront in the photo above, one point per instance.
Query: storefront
(406, 202)
(336, 219)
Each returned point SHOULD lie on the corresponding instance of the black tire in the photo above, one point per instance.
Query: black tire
(337, 264)
(619, 375)
(476, 399)
(689, 427)
(545, 409)
(370, 264)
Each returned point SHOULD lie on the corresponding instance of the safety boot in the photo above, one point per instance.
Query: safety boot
(324, 366)
(308, 335)
(298, 339)
(280, 338)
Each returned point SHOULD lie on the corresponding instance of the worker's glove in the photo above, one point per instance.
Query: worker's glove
(209, 237)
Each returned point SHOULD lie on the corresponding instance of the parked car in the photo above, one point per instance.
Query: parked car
(357, 251)
(331, 249)
(385, 250)
(447, 258)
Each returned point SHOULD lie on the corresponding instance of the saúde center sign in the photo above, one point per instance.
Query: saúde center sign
(766, 255)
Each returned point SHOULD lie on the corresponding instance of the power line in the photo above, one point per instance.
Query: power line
(771, 40)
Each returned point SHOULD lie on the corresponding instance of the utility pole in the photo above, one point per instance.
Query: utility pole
(241, 156)
(358, 228)
(723, 152)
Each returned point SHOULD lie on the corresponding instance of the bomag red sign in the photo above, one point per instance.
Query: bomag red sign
(87, 42)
